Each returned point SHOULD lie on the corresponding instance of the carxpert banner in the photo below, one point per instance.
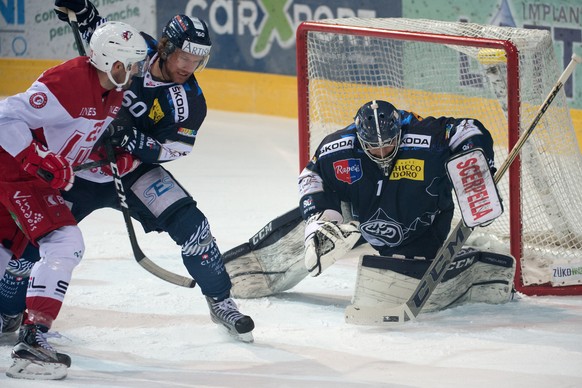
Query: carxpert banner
(259, 35)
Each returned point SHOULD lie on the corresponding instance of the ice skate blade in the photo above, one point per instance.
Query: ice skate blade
(244, 337)
(22, 368)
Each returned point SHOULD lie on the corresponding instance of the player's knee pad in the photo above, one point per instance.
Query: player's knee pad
(63, 247)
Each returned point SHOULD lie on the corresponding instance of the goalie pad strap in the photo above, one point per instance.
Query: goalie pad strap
(417, 268)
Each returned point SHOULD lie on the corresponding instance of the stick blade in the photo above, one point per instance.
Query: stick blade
(378, 315)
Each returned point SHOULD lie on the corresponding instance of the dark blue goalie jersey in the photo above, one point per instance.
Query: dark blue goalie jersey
(409, 211)
(167, 115)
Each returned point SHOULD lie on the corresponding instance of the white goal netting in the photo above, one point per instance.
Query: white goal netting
(352, 63)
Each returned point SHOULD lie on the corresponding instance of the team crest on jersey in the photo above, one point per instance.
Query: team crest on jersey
(38, 100)
(381, 230)
(348, 170)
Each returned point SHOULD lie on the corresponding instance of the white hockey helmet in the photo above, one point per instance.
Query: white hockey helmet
(116, 41)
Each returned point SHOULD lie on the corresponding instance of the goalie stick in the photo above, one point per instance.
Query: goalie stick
(387, 314)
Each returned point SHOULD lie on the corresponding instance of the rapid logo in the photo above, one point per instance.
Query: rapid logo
(348, 170)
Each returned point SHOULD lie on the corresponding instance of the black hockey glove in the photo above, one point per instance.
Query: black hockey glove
(124, 136)
(87, 15)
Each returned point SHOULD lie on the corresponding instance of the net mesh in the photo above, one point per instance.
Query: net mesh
(346, 70)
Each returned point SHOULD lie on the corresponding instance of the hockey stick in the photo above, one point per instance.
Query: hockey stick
(89, 165)
(75, 27)
(140, 257)
(379, 315)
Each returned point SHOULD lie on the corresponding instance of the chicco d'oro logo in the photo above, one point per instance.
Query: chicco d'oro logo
(38, 100)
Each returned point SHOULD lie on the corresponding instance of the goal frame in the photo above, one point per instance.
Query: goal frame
(513, 119)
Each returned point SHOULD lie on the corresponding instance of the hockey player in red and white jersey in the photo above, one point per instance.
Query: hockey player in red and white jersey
(44, 133)
(159, 121)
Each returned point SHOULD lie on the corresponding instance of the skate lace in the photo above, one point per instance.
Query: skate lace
(227, 310)
(42, 342)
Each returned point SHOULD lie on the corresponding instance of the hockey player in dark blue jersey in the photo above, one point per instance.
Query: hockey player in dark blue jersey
(396, 172)
(390, 166)
(159, 121)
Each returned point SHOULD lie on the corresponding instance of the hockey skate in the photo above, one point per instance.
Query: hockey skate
(10, 323)
(225, 313)
(34, 358)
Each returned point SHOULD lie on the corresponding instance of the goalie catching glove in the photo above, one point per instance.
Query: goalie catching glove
(327, 239)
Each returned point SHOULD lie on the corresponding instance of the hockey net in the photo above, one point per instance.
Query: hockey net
(498, 75)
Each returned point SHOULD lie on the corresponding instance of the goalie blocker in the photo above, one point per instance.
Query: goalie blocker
(474, 187)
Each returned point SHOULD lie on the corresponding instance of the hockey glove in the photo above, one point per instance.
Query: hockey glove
(87, 15)
(125, 161)
(326, 240)
(37, 160)
(124, 136)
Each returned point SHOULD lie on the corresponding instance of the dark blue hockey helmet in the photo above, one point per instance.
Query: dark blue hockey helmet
(378, 126)
(188, 34)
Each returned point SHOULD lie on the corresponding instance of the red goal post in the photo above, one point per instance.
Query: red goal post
(498, 75)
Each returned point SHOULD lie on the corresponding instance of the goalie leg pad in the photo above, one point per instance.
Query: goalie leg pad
(271, 269)
(388, 282)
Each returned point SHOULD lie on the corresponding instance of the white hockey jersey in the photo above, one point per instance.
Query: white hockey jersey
(66, 109)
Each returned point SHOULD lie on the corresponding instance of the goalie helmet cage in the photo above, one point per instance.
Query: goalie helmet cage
(498, 75)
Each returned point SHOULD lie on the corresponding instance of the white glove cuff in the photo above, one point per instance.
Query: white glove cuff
(315, 221)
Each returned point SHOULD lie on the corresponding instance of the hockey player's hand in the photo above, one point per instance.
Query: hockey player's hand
(124, 136)
(87, 15)
(77, 6)
(125, 161)
(326, 240)
(37, 160)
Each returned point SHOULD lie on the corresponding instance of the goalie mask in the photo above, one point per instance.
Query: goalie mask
(378, 127)
(188, 34)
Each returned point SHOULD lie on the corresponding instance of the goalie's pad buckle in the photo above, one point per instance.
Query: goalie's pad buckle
(474, 187)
